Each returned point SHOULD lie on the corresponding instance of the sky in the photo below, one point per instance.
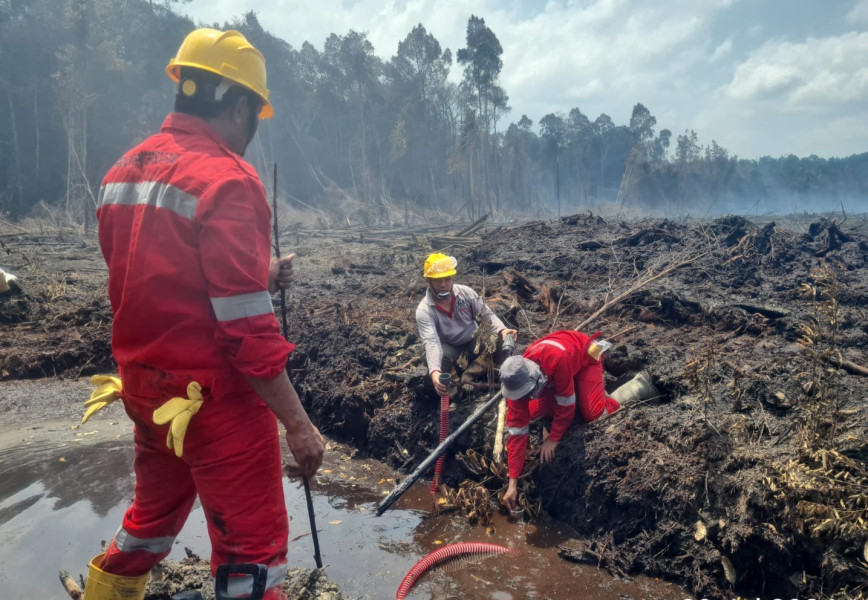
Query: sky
(759, 77)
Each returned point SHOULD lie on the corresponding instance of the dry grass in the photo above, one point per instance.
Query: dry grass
(824, 490)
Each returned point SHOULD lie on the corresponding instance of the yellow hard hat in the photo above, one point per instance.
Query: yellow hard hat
(228, 54)
(439, 265)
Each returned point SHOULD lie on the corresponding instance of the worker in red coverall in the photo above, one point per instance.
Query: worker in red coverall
(184, 226)
(554, 373)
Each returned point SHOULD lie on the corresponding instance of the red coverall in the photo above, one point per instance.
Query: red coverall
(184, 226)
(563, 358)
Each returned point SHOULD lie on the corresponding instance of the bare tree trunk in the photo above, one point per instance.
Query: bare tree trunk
(36, 126)
(16, 151)
(365, 174)
(69, 151)
(470, 200)
(433, 184)
(79, 195)
(86, 207)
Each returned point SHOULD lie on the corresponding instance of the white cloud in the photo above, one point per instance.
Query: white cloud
(859, 13)
(802, 76)
(803, 98)
(606, 55)
(722, 50)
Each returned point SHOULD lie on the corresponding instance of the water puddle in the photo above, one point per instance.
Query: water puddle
(59, 501)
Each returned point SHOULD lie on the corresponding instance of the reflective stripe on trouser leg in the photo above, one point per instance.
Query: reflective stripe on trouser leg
(242, 586)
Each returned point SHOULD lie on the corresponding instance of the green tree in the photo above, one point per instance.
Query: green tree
(417, 76)
(482, 66)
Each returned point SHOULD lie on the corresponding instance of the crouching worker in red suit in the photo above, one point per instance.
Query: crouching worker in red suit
(553, 374)
(184, 226)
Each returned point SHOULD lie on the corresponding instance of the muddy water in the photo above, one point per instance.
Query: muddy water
(59, 500)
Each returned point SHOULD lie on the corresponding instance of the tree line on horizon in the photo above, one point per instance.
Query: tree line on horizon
(84, 80)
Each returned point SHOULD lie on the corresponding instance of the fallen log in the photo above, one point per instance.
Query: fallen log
(519, 281)
(769, 313)
(591, 245)
(491, 232)
(359, 270)
(647, 236)
(848, 366)
(836, 239)
(498, 434)
(366, 240)
(642, 282)
(550, 300)
(473, 225)
(439, 241)
(69, 584)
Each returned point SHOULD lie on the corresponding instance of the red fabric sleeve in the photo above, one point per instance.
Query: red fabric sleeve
(561, 421)
(518, 417)
(235, 249)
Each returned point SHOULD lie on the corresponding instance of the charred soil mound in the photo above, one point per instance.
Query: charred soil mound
(747, 475)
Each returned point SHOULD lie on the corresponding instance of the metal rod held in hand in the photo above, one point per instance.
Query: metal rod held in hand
(310, 514)
(313, 533)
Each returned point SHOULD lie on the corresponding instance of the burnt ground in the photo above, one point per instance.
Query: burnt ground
(746, 476)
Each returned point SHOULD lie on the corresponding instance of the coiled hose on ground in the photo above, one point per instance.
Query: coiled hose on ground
(444, 553)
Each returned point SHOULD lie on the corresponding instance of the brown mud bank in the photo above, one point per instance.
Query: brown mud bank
(746, 476)
(194, 573)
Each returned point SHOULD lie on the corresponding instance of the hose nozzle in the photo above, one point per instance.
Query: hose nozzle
(508, 345)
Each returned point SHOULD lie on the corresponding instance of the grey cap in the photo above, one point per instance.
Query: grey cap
(518, 376)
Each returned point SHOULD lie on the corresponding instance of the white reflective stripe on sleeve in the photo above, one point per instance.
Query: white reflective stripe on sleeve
(126, 542)
(242, 306)
(241, 587)
(151, 193)
(565, 400)
(553, 343)
(518, 430)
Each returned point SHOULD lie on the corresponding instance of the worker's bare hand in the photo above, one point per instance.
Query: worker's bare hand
(547, 452)
(506, 332)
(510, 497)
(280, 273)
(438, 387)
(307, 448)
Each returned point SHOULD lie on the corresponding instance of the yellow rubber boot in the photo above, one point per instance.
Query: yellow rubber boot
(105, 586)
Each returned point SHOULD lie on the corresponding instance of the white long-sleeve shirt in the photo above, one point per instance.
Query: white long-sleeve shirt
(455, 327)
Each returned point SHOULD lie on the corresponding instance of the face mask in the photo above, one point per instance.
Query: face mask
(440, 295)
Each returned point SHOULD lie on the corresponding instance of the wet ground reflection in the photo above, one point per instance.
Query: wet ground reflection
(59, 502)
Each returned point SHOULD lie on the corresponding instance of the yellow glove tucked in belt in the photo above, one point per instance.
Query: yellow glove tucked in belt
(107, 391)
(179, 411)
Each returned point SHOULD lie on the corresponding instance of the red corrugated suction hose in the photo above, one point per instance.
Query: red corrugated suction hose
(444, 553)
(444, 433)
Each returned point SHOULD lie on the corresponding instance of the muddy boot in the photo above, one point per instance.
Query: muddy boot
(638, 388)
(105, 586)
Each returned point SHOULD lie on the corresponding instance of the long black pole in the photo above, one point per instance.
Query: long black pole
(310, 514)
(432, 458)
